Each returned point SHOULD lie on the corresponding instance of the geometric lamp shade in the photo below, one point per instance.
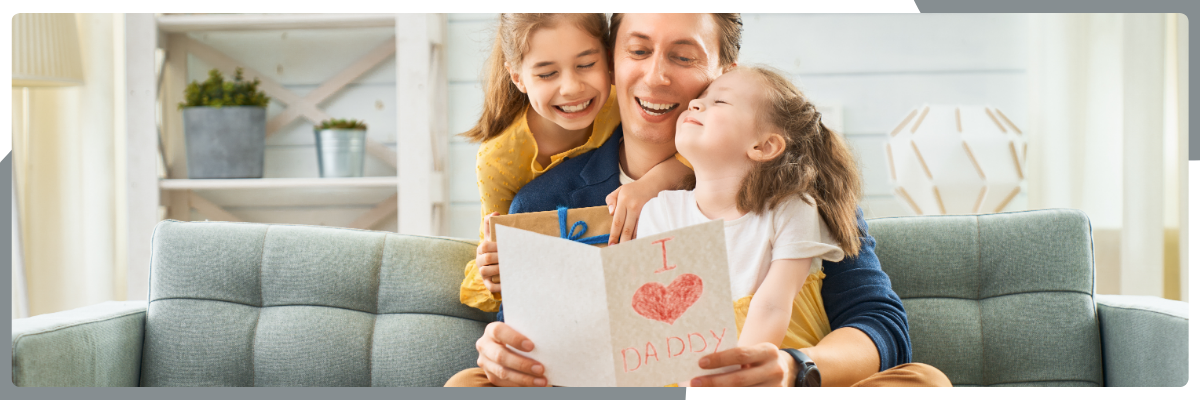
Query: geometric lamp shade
(46, 50)
(946, 159)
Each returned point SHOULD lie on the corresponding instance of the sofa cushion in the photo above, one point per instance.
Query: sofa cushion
(234, 304)
(1000, 299)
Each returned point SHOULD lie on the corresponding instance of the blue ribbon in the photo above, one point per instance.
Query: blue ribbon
(571, 235)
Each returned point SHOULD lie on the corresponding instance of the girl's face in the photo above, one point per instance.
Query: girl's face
(721, 127)
(565, 74)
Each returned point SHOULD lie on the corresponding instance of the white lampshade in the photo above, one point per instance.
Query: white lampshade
(46, 50)
(947, 159)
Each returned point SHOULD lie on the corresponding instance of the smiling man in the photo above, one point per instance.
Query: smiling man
(661, 62)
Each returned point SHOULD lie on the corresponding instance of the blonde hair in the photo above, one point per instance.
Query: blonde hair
(816, 161)
(502, 100)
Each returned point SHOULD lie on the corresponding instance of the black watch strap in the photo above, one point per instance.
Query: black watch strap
(807, 374)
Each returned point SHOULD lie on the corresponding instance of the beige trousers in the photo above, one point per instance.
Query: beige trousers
(904, 375)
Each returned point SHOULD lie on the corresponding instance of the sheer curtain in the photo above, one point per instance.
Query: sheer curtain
(65, 163)
(1108, 138)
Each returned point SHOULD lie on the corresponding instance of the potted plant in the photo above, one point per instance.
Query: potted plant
(224, 127)
(341, 147)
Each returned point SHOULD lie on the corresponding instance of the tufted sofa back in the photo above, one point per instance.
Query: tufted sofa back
(236, 304)
(997, 300)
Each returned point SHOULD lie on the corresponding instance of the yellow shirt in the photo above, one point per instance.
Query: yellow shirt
(808, 324)
(507, 162)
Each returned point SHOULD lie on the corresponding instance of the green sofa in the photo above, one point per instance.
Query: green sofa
(994, 300)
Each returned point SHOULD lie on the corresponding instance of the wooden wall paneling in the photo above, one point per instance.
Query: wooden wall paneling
(467, 98)
(462, 185)
(141, 149)
(373, 103)
(465, 220)
(871, 154)
(893, 43)
(335, 84)
(875, 103)
(468, 44)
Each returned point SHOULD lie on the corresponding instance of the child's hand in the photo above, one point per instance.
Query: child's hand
(487, 259)
(625, 205)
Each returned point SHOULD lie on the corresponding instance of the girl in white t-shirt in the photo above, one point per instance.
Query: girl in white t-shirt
(787, 188)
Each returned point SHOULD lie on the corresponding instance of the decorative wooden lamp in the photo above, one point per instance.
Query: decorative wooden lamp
(947, 159)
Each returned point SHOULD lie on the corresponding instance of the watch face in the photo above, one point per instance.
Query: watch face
(812, 377)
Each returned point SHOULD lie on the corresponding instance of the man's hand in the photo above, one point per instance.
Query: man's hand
(486, 258)
(762, 364)
(503, 366)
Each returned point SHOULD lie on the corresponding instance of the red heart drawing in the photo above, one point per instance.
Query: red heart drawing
(666, 304)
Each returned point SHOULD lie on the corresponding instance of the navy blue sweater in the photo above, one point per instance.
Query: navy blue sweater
(857, 293)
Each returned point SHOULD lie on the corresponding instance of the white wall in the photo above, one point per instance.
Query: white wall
(876, 67)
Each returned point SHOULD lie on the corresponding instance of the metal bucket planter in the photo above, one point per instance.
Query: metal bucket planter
(225, 142)
(341, 152)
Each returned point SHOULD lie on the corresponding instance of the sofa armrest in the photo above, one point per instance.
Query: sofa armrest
(97, 345)
(1145, 340)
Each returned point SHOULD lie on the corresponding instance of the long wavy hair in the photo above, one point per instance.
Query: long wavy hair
(816, 161)
(502, 100)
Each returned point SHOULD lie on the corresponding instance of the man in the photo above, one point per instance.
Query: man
(660, 62)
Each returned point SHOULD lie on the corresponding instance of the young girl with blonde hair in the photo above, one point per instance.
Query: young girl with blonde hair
(547, 97)
(787, 188)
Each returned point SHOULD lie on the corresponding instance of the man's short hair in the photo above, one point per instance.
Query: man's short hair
(729, 35)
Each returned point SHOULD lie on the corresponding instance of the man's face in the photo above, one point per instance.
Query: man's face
(662, 61)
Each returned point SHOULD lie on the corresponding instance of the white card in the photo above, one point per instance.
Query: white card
(640, 313)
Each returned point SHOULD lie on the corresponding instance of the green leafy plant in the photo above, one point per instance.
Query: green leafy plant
(334, 123)
(216, 92)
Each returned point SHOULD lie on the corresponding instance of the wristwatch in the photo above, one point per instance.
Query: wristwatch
(808, 375)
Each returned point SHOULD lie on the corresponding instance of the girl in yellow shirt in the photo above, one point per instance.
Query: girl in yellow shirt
(547, 97)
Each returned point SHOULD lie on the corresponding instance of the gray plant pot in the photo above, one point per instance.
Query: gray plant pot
(225, 142)
(341, 152)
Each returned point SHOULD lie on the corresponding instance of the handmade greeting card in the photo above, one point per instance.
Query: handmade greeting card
(640, 313)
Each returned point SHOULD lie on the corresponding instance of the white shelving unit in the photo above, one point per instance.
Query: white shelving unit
(417, 191)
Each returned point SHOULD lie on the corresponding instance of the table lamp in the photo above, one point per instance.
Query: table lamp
(45, 53)
(956, 159)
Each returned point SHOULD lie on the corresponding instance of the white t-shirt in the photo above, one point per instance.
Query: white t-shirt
(623, 178)
(793, 230)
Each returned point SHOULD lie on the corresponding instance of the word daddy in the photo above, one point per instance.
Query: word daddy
(651, 351)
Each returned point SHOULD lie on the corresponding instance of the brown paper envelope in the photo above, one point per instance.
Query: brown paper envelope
(546, 222)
